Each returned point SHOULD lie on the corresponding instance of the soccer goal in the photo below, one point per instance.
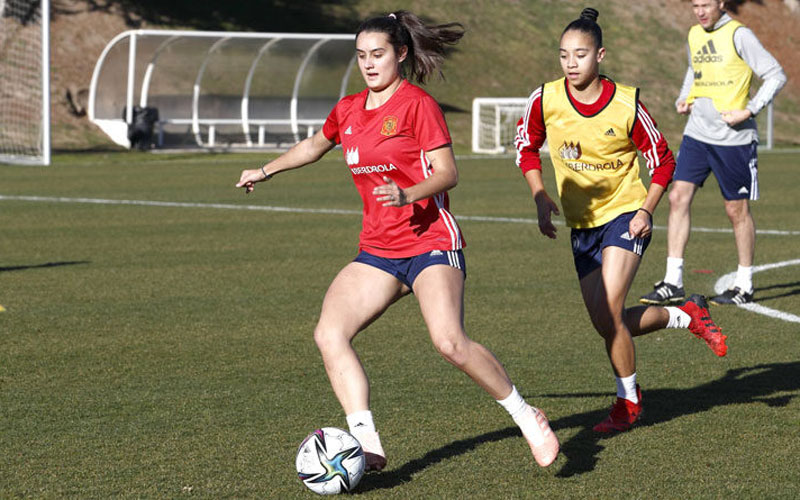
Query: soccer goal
(494, 123)
(24, 82)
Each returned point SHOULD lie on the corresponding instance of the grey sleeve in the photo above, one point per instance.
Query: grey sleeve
(763, 64)
(688, 79)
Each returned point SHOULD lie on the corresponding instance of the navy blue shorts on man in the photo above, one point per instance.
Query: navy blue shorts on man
(407, 269)
(588, 244)
(735, 167)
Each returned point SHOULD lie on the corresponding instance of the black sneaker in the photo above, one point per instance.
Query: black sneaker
(664, 294)
(733, 295)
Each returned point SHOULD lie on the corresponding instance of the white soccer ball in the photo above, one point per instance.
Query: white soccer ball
(330, 461)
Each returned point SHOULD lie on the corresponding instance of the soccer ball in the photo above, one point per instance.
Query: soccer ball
(330, 461)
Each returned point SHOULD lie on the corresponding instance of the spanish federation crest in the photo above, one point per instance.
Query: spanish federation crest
(389, 126)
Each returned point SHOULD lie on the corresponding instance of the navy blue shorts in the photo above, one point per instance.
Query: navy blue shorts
(735, 167)
(408, 268)
(588, 244)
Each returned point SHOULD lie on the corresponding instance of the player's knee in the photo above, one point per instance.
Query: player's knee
(737, 212)
(327, 338)
(607, 327)
(679, 199)
(451, 349)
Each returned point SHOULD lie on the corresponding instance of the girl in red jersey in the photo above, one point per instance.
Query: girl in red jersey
(594, 127)
(398, 149)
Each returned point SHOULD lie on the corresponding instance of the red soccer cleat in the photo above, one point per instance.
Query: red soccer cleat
(702, 326)
(624, 413)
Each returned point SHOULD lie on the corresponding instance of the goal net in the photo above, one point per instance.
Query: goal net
(24, 82)
(494, 123)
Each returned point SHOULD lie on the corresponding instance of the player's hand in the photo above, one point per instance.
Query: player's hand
(249, 178)
(390, 194)
(736, 116)
(683, 108)
(545, 207)
(640, 226)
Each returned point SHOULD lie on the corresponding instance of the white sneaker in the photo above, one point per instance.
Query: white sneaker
(374, 456)
(540, 437)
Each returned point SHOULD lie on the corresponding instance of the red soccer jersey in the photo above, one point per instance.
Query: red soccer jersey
(391, 141)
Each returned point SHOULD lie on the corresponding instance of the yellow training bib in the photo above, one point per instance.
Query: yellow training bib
(719, 72)
(597, 171)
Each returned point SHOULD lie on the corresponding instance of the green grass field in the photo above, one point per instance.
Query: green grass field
(165, 350)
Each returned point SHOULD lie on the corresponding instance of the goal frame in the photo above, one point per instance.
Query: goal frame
(477, 125)
(44, 56)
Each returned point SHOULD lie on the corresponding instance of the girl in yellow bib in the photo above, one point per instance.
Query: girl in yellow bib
(594, 127)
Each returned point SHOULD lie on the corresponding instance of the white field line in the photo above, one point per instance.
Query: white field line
(334, 211)
(726, 281)
(722, 284)
(175, 204)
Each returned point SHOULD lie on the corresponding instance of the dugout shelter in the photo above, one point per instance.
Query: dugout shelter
(202, 89)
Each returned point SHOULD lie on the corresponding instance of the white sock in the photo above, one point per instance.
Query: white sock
(744, 278)
(678, 318)
(626, 388)
(674, 274)
(514, 404)
(360, 421)
(518, 409)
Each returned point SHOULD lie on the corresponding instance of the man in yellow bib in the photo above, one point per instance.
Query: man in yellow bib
(720, 137)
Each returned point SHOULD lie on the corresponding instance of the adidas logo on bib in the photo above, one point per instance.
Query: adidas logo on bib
(708, 53)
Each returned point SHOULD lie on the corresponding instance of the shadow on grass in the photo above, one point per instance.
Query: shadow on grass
(757, 384)
(42, 266)
(794, 290)
(405, 473)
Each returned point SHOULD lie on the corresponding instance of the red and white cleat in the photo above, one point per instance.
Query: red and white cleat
(624, 413)
(702, 326)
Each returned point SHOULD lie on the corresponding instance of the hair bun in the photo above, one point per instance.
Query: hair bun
(590, 14)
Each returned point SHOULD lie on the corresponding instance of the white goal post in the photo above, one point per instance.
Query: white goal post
(494, 123)
(25, 82)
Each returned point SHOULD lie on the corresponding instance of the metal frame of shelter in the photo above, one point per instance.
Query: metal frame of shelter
(147, 63)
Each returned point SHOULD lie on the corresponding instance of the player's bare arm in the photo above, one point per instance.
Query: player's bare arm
(545, 206)
(641, 226)
(304, 152)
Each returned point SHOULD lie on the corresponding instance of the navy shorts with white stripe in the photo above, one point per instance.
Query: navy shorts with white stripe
(408, 268)
(588, 244)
